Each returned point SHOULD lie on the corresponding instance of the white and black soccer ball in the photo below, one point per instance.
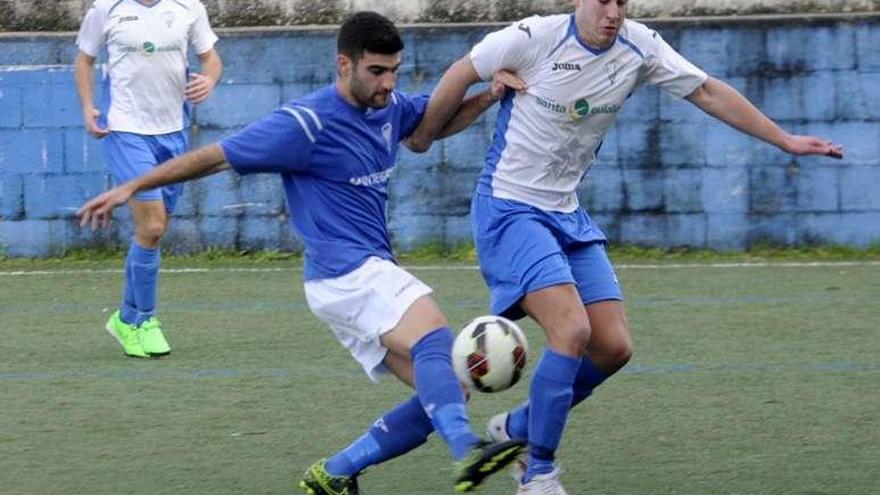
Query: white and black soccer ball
(490, 353)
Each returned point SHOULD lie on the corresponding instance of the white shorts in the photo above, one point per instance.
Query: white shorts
(363, 305)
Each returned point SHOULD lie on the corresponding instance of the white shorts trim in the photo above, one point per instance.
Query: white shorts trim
(363, 305)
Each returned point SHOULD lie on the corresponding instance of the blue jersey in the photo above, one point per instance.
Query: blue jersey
(335, 160)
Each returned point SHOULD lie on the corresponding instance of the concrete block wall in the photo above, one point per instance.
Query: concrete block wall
(667, 175)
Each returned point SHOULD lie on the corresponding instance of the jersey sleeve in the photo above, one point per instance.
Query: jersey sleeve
(280, 143)
(412, 109)
(201, 36)
(91, 37)
(667, 69)
(511, 48)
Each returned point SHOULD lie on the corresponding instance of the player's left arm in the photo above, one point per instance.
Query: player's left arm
(449, 112)
(202, 38)
(725, 103)
(201, 85)
(445, 101)
(474, 106)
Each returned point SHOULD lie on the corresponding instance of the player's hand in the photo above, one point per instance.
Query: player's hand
(199, 87)
(809, 145)
(504, 80)
(98, 211)
(91, 114)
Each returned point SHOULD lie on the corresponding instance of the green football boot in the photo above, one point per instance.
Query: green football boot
(127, 336)
(317, 481)
(486, 459)
(152, 339)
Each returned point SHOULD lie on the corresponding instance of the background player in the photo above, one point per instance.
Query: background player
(540, 253)
(143, 123)
(335, 150)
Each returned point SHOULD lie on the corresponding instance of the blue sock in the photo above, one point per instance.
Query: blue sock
(397, 432)
(550, 399)
(589, 376)
(128, 309)
(440, 393)
(145, 277)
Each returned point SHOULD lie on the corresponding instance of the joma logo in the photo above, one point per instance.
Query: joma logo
(566, 66)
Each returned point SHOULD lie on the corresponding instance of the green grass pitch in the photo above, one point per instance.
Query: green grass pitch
(745, 380)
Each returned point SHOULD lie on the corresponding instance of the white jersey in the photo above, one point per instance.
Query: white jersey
(546, 138)
(145, 81)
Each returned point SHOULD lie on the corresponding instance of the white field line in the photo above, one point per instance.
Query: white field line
(453, 268)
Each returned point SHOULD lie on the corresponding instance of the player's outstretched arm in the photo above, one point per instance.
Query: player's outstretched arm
(725, 103)
(97, 212)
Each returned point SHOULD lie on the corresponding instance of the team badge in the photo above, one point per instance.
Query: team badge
(612, 68)
(386, 133)
(168, 18)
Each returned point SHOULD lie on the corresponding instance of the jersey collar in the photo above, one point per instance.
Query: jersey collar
(147, 5)
(573, 32)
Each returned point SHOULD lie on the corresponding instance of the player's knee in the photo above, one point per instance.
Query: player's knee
(570, 338)
(614, 354)
(620, 355)
(151, 233)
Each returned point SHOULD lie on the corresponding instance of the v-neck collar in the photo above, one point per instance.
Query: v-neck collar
(148, 5)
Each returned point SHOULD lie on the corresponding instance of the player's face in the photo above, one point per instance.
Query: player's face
(599, 21)
(372, 78)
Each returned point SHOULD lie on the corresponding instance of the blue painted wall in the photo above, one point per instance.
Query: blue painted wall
(667, 175)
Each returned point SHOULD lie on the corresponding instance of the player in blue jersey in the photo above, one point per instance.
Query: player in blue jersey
(143, 122)
(540, 253)
(335, 150)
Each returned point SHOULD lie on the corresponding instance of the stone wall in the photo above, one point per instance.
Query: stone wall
(64, 15)
(666, 176)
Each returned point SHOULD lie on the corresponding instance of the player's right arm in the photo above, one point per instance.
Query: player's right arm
(84, 73)
(199, 163)
(279, 143)
(90, 41)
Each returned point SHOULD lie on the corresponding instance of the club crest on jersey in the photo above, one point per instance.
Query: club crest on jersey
(148, 48)
(387, 131)
(168, 19)
(612, 68)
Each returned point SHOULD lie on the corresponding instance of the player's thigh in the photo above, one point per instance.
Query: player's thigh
(610, 345)
(593, 273)
(370, 302)
(129, 156)
(421, 318)
(601, 294)
(518, 252)
(165, 147)
(560, 313)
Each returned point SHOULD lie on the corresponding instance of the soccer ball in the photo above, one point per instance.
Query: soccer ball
(490, 353)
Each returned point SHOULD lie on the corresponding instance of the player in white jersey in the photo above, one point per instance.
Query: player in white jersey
(540, 253)
(143, 122)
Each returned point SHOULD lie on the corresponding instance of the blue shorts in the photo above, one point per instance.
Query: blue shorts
(524, 249)
(130, 156)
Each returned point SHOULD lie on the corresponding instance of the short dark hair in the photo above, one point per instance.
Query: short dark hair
(370, 32)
